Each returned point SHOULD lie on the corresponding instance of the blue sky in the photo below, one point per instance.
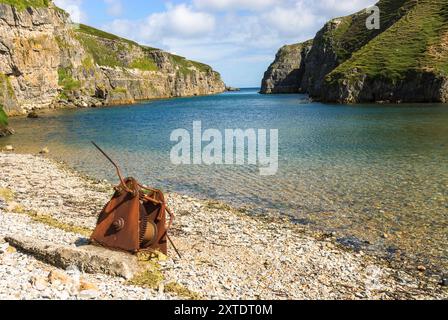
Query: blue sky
(238, 38)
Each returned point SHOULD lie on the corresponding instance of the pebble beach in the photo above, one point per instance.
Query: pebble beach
(226, 253)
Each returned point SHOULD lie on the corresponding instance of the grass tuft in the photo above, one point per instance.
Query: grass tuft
(414, 43)
(52, 222)
(144, 64)
(24, 4)
(181, 291)
(67, 83)
(3, 118)
(6, 194)
(151, 278)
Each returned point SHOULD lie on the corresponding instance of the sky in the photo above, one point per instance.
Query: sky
(238, 38)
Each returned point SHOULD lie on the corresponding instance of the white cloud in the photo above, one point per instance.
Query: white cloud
(223, 5)
(115, 7)
(292, 21)
(342, 7)
(178, 21)
(73, 7)
(218, 33)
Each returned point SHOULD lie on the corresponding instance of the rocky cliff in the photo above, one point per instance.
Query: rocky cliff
(46, 62)
(283, 74)
(406, 60)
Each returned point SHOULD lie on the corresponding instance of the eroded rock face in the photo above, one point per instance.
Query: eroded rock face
(29, 57)
(417, 87)
(285, 73)
(321, 60)
(47, 62)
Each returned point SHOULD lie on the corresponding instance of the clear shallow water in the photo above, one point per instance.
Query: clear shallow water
(360, 171)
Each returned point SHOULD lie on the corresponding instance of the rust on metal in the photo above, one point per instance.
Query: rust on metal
(135, 219)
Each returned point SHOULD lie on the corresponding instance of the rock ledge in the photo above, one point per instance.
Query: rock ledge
(90, 259)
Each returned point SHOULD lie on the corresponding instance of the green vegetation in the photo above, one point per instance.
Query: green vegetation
(414, 43)
(3, 118)
(351, 33)
(8, 196)
(5, 84)
(201, 66)
(181, 291)
(102, 54)
(62, 44)
(182, 63)
(151, 278)
(108, 54)
(106, 50)
(6, 94)
(52, 222)
(66, 80)
(102, 34)
(186, 66)
(23, 4)
(120, 90)
(88, 64)
(144, 64)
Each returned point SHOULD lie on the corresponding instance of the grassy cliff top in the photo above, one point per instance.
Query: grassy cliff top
(93, 41)
(102, 34)
(417, 41)
(351, 33)
(294, 47)
(23, 4)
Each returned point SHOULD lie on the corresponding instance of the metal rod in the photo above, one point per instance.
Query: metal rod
(113, 163)
(175, 249)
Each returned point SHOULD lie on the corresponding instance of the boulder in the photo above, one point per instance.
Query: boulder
(33, 115)
(5, 131)
(90, 259)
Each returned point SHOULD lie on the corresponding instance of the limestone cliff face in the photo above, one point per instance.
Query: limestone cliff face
(284, 74)
(406, 60)
(29, 57)
(47, 62)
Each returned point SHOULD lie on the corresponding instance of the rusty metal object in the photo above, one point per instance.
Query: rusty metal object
(134, 219)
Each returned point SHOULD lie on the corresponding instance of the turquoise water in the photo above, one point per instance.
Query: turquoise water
(375, 175)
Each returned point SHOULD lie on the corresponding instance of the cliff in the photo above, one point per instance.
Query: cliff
(48, 62)
(405, 61)
(283, 74)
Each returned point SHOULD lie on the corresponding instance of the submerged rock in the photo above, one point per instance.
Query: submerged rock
(6, 131)
(33, 115)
